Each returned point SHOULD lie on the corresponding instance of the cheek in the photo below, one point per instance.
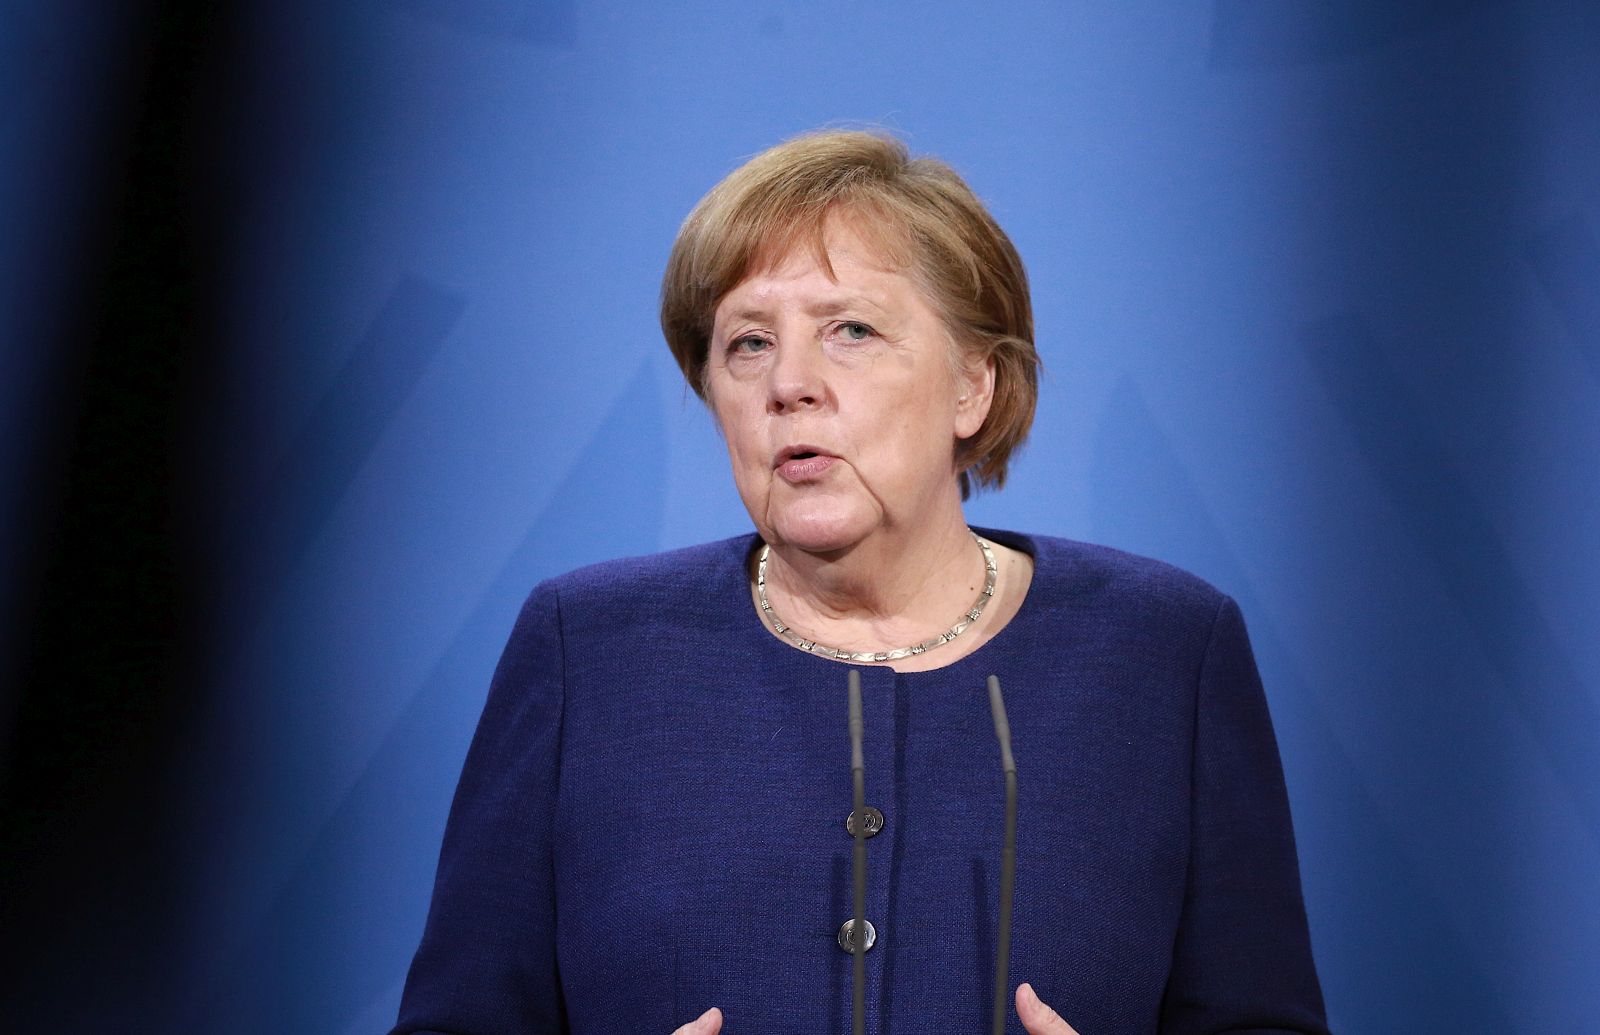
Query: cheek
(929, 406)
(901, 446)
(742, 435)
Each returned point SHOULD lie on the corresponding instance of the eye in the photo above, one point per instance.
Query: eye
(747, 345)
(852, 330)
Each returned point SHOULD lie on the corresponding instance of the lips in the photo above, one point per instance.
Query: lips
(802, 463)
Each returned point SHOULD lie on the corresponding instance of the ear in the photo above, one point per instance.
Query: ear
(974, 396)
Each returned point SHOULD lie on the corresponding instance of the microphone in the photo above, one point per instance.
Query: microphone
(859, 931)
(1008, 857)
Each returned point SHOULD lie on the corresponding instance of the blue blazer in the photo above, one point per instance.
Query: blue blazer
(651, 818)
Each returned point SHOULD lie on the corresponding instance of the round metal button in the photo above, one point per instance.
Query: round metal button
(847, 935)
(874, 822)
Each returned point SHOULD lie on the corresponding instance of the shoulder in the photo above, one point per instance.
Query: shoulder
(1104, 570)
(1106, 585)
(669, 570)
(649, 584)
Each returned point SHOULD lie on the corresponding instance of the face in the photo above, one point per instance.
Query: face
(837, 398)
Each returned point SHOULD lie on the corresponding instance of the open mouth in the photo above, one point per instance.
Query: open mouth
(803, 465)
(797, 452)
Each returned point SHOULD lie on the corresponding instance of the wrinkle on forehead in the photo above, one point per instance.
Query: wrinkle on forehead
(855, 302)
(887, 247)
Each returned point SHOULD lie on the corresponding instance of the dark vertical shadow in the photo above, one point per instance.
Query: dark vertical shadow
(1412, 151)
(66, 66)
(356, 892)
(382, 371)
(1254, 34)
(108, 596)
(1415, 468)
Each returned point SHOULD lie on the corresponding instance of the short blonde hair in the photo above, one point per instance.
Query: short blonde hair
(918, 213)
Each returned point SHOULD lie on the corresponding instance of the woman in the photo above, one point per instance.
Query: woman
(651, 824)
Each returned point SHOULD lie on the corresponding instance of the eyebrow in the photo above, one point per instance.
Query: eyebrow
(824, 307)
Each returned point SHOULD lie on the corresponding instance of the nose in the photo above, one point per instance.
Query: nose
(798, 376)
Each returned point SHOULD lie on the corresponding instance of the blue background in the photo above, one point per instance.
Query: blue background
(1318, 296)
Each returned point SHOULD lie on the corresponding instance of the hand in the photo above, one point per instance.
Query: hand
(708, 1023)
(1038, 1018)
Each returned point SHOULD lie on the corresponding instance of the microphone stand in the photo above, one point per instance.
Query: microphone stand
(1008, 856)
(858, 932)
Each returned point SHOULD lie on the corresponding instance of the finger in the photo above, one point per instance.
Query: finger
(1038, 1018)
(708, 1023)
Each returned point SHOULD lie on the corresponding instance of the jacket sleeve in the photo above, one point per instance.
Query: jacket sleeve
(1242, 958)
(487, 961)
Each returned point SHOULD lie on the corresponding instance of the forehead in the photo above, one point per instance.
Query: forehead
(842, 263)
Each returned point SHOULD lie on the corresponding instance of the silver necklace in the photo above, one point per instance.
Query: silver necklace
(990, 569)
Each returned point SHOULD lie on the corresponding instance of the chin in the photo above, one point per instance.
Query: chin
(821, 529)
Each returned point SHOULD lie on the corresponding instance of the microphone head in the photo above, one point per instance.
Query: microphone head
(1002, 728)
(856, 760)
